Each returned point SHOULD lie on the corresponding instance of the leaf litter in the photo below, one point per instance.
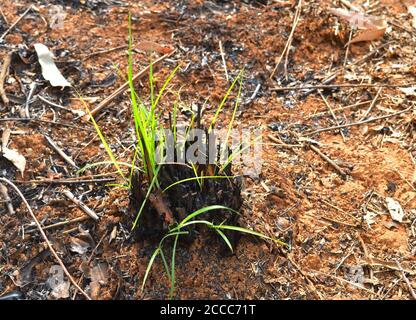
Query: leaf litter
(322, 235)
(370, 28)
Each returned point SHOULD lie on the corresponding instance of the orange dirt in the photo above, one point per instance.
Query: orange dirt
(324, 217)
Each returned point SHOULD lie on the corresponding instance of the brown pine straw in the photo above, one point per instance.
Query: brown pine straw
(49, 244)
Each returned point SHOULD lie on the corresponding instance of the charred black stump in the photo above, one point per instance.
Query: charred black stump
(166, 208)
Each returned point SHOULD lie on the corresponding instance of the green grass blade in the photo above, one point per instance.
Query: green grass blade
(133, 161)
(165, 84)
(248, 231)
(171, 234)
(101, 163)
(224, 237)
(189, 223)
(149, 266)
(103, 140)
(214, 120)
(165, 263)
(230, 126)
(196, 178)
(149, 190)
(151, 84)
(172, 275)
(200, 211)
(140, 115)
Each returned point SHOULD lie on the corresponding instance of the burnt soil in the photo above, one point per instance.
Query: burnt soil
(333, 223)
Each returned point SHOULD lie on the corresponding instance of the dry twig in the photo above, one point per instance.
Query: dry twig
(49, 244)
(331, 111)
(67, 158)
(15, 23)
(359, 122)
(77, 180)
(342, 280)
(286, 50)
(80, 204)
(61, 224)
(5, 195)
(223, 61)
(3, 74)
(79, 113)
(4, 17)
(125, 86)
(373, 103)
(409, 285)
(351, 106)
(345, 85)
(327, 159)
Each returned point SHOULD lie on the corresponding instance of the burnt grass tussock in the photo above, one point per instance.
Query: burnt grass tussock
(165, 208)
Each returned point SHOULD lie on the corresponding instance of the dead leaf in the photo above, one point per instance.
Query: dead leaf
(150, 46)
(368, 35)
(113, 234)
(395, 209)
(390, 224)
(16, 158)
(100, 273)
(79, 246)
(370, 217)
(355, 19)
(95, 288)
(61, 290)
(49, 70)
(99, 277)
(371, 28)
(86, 236)
(84, 267)
(5, 138)
(412, 11)
(409, 91)
(25, 275)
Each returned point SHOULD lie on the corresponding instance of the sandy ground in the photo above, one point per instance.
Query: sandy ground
(337, 224)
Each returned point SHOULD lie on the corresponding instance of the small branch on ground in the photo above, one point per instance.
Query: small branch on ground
(80, 204)
(5, 195)
(15, 23)
(409, 285)
(67, 158)
(286, 50)
(223, 61)
(359, 122)
(49, 244)
(60, 224)
(327, 159)
(3, 74)
(373, 103)
(77, 180)
(346, 85)
(125, 86)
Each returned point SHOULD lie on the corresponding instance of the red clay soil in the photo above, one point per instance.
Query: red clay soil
(334, 223)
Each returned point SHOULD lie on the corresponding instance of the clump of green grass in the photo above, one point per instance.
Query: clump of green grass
(148, 128)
